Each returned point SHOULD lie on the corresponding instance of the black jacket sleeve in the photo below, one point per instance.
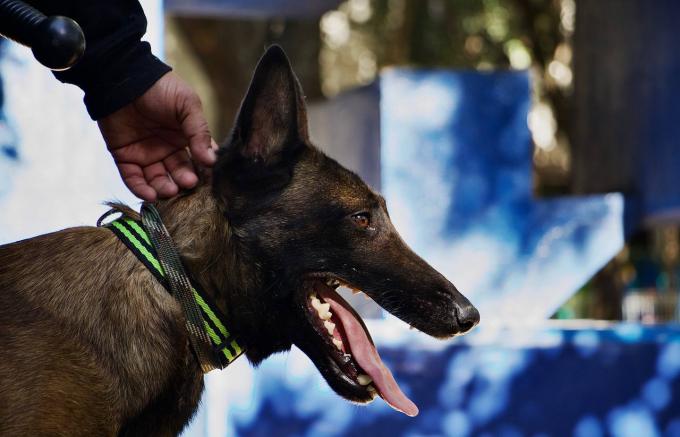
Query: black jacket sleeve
(117, 66)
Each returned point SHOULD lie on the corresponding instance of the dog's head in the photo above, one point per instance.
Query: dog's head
(310, 225)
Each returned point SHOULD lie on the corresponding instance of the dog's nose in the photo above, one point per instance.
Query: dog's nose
(467, 317)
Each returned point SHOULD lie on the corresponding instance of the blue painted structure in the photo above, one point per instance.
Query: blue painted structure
(618, 380)
(456, 172)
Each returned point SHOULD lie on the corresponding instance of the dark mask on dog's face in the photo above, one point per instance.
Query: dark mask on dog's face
(311, 225)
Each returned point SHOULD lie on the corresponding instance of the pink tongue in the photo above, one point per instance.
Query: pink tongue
(367, 357)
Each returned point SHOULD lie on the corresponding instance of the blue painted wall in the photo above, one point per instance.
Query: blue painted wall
(456, 163)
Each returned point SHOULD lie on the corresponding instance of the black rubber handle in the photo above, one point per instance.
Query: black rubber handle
(57, 42)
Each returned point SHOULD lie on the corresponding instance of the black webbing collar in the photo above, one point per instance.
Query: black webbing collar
(149, 240)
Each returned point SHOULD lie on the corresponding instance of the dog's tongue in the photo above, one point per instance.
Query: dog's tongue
(367, 357)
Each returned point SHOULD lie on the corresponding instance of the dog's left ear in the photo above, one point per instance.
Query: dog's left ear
(273, 116)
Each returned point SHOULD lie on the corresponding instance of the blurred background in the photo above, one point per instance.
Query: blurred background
(526, 149)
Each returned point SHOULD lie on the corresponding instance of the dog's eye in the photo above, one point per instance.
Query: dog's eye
(362, 220)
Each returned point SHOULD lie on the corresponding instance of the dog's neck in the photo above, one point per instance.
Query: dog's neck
(211, 253)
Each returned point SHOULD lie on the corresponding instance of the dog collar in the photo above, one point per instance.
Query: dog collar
(212, 343)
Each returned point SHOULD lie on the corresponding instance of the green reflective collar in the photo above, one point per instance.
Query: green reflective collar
(226, 347)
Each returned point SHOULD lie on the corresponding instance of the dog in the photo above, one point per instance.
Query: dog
(93, 344)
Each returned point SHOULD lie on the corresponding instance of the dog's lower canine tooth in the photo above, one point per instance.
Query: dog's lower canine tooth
(364, 379)
(337, 343)
(330, 326)
(316, 303)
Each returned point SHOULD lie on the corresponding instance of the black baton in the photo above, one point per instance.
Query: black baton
(57, 42)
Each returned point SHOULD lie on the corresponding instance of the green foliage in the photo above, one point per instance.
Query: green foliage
(456, 33)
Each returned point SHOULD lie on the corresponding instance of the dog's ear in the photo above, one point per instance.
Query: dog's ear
(273, 115)
(269, 134)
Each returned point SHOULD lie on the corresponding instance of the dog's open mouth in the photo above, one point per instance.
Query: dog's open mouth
(349, 344)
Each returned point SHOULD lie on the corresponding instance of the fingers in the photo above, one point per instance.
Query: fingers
(195, 128)
(153, 169)
(160, 179)
(157, 176)
(133, 178)
(181, 170)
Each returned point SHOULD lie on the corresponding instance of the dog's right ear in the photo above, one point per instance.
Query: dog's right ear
(271, 124)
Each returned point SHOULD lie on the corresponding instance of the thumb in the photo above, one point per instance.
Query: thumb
(195, 129)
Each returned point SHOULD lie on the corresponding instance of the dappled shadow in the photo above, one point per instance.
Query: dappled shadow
(622, 381)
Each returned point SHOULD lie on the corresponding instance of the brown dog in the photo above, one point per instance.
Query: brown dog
(93, 344)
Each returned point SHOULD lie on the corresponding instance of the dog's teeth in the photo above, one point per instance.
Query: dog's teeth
(330, 326)
(364, 379)
(323, 311)
(337, 343)
(372, 391)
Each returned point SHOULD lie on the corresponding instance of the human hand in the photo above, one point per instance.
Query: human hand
(154, 139)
